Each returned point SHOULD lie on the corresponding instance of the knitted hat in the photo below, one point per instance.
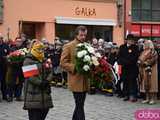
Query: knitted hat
(37, 50)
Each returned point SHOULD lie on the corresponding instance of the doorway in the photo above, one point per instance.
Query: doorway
(33, 30)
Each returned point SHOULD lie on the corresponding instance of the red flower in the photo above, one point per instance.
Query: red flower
(16, 56)
(102, 71)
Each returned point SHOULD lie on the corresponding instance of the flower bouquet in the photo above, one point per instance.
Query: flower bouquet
(17, 56)
(102, 73)
(86, 58)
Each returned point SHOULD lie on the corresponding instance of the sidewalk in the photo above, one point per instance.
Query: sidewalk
(97, 107)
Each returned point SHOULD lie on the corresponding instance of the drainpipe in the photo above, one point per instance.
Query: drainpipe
(124, 19)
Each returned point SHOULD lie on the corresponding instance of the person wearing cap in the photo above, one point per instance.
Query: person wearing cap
(141, 44)
(100, 48)
(94, 43)
(113, 56)
(127, 58)
(107, 49)
(37, 91)
(57, 71)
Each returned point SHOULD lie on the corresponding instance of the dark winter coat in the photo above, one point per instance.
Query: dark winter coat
(36, 97)
(128, 57)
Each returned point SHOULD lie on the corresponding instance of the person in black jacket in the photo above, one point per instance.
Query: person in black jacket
(4, 51)
(128, 56)
(14, 75)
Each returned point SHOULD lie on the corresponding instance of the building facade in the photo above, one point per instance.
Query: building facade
(142, 18)
(51, 18)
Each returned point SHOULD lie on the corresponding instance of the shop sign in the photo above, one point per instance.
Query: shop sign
(146, 30)
(156, 30)
(135, 30)
(85, 11)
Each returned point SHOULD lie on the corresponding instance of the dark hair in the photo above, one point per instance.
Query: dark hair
(130, 37)
(80, 28)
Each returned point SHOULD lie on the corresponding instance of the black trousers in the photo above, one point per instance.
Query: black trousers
(14, 89)
(130, 86)
(79, 105)
(3, 81)
(37, 114)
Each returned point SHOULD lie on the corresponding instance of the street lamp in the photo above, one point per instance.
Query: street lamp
(8, 32)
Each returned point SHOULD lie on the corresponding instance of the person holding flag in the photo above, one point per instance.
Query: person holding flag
(37, 91)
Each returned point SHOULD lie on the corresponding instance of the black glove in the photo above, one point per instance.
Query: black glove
(44, 84)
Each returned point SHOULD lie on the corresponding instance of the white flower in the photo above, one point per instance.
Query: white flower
(86, 67)
(86, 44)
(25, 50)
(98, 55)
(82, 53)
(90, 49)
(79, 45)
(95, 61)
(87, 58)
(23, 53)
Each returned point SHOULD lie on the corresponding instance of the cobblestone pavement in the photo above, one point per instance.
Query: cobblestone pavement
(97, 107)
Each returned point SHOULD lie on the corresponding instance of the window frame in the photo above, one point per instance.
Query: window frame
(139, 10)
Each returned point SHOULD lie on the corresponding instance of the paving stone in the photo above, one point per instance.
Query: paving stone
(97, 107)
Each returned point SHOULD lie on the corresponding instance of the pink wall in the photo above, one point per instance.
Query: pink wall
(128, 10)
(46, 10)
(128, 15)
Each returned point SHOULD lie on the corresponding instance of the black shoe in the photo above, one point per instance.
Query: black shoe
(126, 99)
(9, 99)
(4, 98)
(19, 99)
(133, 100)
(122, 96)
(118, 95)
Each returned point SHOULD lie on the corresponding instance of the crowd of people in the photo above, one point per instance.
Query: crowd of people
(136, 77)
(138, 61)
(11, 74)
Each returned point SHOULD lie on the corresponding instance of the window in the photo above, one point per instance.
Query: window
(156, 10)
(136, 4)
(145, 4)
(155, 4)
(146, 10)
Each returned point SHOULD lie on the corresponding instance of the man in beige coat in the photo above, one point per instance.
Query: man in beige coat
(76, 82)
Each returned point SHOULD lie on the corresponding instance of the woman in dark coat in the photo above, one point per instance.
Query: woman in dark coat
(37, 98)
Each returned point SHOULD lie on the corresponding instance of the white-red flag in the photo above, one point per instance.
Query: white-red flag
(30, 70)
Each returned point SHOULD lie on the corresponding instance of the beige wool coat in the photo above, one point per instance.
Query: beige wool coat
(153, 81)
(76, 82)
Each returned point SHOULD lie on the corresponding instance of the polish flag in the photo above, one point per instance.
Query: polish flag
(119, 69)
(30, 70)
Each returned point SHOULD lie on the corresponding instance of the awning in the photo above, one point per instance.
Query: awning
(85, 21)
